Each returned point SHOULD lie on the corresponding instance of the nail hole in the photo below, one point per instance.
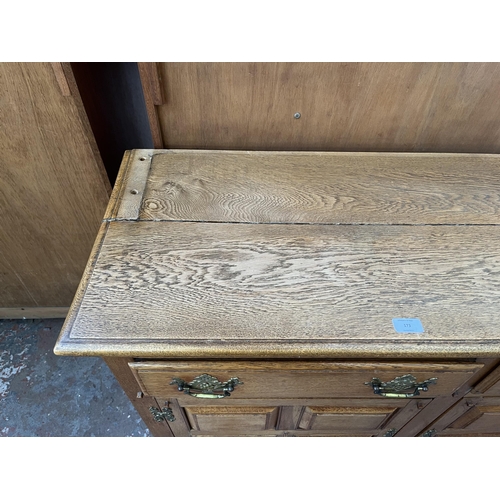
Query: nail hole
(142, 158)
(296, 116)
(134, 191)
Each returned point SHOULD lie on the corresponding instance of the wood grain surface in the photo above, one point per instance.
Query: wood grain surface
(153, 96)
(209, 284)
(61, 78)
(223, 420)
(52, 190)
(431, 107)
(325, 188)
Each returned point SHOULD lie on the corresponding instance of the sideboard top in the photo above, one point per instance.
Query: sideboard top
(281, 254)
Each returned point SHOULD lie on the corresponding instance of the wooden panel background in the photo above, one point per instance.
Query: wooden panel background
(431, 107)
(53, 189)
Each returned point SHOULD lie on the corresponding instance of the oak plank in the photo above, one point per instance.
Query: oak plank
(322, 188)
(213, 284)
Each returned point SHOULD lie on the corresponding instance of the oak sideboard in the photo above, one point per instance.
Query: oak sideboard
(238, 293)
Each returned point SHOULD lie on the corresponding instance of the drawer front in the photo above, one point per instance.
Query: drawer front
(266, 380)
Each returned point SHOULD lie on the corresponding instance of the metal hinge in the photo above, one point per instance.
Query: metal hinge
(429, 433)
(163, 414)
(390, 433)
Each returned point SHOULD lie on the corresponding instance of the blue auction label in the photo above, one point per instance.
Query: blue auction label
(407, 325)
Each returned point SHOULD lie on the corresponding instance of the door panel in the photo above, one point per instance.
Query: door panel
(335, 419)
(330, 417)
(231, 420)
(482, 418)
(490, 385)
(375, 416)
(471, 417)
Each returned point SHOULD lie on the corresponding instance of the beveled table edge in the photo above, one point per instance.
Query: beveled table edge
(286, 349)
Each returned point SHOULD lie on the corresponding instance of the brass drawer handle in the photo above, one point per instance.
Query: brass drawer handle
(206, 386)
(400, 386)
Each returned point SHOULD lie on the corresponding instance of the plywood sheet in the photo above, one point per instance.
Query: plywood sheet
(431, 107)
(52, 190)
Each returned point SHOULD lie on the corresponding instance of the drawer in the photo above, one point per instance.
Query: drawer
(266, 380)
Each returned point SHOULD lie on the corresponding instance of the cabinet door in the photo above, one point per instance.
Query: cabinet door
(490, 385)
(364, 417)
(206, 418)
(359, 418)
(471, 417)
(231, 420)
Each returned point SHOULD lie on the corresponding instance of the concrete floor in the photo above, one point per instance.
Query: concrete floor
(46, 395)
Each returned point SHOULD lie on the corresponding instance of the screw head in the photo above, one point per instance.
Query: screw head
(296, 116)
